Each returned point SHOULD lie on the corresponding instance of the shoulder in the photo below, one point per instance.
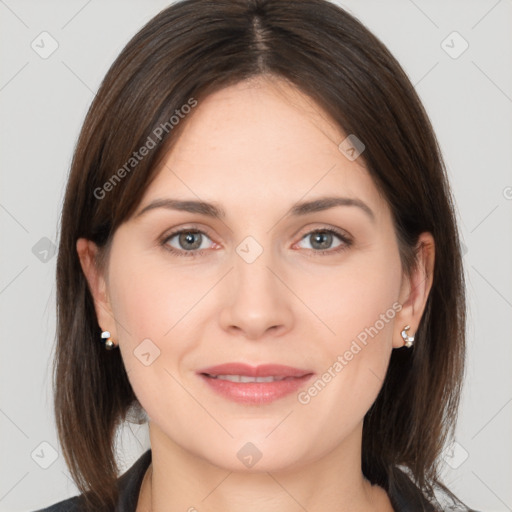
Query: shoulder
(405, 496)
(69, 505)
(129, 486)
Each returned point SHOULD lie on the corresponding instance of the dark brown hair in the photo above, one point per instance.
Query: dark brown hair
(189, 50)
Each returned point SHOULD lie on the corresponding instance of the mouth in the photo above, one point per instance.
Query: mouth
(251, 385)
(276, 371)
(246, 378)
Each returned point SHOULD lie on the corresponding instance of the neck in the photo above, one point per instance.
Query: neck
(179, 480)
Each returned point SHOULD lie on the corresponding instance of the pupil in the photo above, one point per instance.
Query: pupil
(318, 237)
(188, 238)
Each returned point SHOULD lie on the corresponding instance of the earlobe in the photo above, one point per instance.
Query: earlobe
(415, 291)
(87, 253)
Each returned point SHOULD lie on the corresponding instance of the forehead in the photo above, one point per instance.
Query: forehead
(261, 140)
(261, 120)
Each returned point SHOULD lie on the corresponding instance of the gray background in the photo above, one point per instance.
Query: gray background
(43, 102)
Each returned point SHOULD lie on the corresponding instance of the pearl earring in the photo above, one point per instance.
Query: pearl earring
(107, 340)
(408, 340)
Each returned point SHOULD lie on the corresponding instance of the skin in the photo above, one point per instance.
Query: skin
(257, 148)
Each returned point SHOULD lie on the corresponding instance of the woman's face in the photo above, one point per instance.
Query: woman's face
(257, 285)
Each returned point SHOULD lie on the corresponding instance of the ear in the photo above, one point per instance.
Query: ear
(415, 289)
(87, 253)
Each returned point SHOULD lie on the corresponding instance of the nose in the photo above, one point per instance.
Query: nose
(256, 299)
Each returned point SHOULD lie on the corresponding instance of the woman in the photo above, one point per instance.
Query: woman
(259, 254)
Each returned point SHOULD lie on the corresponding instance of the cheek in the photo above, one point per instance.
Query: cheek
(159, 314)
(359, 304)
(149, 300)
(359, 297)
(367, 303)
(154, 310)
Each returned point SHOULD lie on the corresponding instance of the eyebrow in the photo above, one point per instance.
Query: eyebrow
(217, 212)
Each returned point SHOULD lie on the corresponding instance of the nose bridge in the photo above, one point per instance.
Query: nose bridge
(257, 302)
(251, 268)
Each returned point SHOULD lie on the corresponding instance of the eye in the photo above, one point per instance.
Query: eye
(191, 242)
(322, 239)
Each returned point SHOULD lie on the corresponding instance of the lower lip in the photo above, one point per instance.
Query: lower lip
(256, 392)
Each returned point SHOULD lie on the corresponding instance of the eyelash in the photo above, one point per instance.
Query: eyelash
(347, 242)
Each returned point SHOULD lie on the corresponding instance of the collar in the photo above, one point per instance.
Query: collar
(404, 495)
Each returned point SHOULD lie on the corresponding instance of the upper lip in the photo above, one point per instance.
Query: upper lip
(264, 370)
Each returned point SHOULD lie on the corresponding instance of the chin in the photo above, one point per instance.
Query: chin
(255, 454)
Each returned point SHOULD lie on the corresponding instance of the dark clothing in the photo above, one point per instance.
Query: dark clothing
(405, 498)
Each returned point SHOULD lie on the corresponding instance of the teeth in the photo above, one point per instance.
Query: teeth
(245, 378)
